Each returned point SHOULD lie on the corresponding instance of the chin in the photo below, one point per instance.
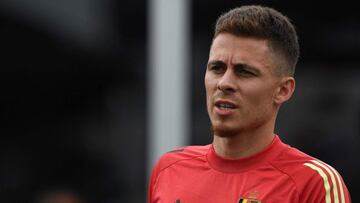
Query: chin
(223, 131)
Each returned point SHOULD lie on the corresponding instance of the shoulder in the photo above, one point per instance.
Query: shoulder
(315, 180)
(181, 154)
(293, 163)
(187, 155)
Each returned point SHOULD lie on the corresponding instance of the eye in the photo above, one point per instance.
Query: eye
(216, 68)
(241, 71)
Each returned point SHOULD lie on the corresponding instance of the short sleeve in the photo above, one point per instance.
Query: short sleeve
(323, 184)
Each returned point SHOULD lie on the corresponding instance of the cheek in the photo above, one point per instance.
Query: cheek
(261, 96)
(209, 95)
(210, 87)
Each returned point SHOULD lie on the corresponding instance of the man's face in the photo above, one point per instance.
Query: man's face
(240, 84)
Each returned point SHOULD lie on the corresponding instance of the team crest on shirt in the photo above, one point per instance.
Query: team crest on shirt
(247, 200)
(251, 198)
(242, 200)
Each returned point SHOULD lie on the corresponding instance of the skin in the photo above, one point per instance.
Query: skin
(241, 74)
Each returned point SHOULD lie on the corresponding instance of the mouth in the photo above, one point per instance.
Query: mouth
(225, 105)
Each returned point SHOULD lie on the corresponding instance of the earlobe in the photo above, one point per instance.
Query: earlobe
(285, 90)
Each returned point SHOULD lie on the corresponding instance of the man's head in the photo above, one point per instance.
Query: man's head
(264, 23)
(250, 68)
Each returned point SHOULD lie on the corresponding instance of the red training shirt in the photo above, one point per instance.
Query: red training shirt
(279, 173)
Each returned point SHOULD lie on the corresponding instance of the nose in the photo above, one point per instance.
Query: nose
(227, 82)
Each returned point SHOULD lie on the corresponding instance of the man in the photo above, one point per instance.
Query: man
(249, 76)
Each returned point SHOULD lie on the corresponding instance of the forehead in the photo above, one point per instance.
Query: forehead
(235, 49)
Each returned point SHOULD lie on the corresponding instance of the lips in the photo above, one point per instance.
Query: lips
(224, 107)
(224, 104)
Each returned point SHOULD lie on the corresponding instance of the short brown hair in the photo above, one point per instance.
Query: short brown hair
(265, 23)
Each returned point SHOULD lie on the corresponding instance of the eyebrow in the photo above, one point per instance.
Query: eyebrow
(238, 65)
(247, 67)
(216, 62)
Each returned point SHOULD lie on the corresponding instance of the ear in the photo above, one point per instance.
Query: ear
(285, 90)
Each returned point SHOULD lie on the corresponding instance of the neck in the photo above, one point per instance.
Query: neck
(243, 144)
